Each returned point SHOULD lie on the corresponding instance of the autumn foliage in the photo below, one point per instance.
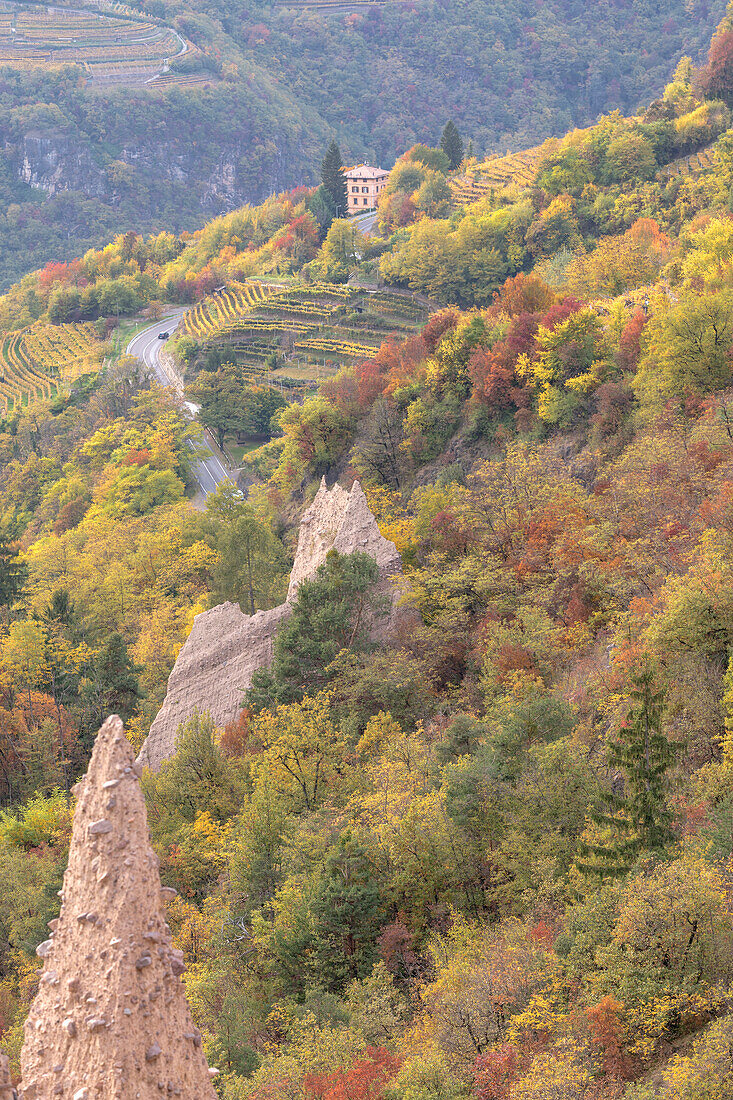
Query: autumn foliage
(366, 1079)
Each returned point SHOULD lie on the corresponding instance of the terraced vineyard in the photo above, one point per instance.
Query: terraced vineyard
(311, 329)
(326, 6)
(518, 170)
(209, 316)
(33, 362)
(341, 348)
(181, 80)
(689, 166)
(515, 169)
(111, 49)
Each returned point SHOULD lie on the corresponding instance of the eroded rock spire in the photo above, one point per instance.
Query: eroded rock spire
(226, 647)
(110, 1019)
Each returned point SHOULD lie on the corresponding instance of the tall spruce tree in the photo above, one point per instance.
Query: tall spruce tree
(451, 143)
(13, 575)
(346, 911)
(639, 818)
(334, 180)
(116, 688)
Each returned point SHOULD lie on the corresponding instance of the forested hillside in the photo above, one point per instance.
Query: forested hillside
(491, 858)
(510, 74)
(248, 110)
(80, 164)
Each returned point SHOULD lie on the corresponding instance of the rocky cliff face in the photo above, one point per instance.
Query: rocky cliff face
(110, 1020)
(57, 161)
(212, 672)
(84, 162)
(226, 647)
(54, 162)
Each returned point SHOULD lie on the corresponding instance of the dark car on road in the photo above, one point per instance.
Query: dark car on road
(163, 335)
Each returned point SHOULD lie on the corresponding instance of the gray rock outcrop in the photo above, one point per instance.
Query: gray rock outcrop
(226, 647)
(110, 1020)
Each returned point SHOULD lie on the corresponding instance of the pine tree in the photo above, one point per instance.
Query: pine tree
(451, 143)
(346, 916)
(331, 612)
(639, 817)
(334, 180)
(116, 685)
(13, 575)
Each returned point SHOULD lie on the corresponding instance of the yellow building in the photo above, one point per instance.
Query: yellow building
(364, 185)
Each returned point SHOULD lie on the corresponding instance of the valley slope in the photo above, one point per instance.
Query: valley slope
(249, 109)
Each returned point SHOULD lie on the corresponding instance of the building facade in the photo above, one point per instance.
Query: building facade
(364, 185)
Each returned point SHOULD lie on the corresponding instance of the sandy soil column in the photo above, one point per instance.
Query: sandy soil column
(110, 1019)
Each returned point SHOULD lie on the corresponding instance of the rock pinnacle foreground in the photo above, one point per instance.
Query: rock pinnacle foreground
(7, 1091)
(110, 1019)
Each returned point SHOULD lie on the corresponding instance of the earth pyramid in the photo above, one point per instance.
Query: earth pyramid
(110, 1019)
(226, 647)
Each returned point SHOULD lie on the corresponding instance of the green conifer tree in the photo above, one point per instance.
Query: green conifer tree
(639, 818)
(323, 209)
(116, 688)
(13, 575)
(331, 613)
(451, 143)
(334, 180)
(346, 911)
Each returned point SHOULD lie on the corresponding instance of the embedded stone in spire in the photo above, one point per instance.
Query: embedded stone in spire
(7, 1092)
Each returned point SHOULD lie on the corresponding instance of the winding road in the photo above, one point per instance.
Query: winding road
(208, 470)
(366, 222)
